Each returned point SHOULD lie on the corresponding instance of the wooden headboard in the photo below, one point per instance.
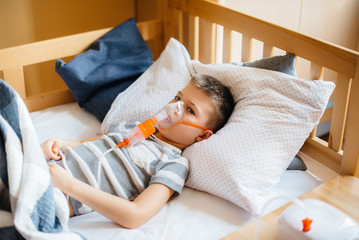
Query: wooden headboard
(15, 58)
(184, 20)
(194, 23)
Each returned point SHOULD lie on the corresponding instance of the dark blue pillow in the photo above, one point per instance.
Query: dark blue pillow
(108, 67)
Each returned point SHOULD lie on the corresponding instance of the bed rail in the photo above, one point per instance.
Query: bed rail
(14, 59)
(189, 21)
(208, 31)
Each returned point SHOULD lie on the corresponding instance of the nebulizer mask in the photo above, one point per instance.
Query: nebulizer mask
(168, 116)
(165, 118)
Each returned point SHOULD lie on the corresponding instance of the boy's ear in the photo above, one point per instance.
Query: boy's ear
(206, 134)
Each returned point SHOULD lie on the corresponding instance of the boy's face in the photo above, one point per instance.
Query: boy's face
(199, 109)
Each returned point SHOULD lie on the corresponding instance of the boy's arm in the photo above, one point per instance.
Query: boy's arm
(51, 146)
(74, 143)
(123, 212)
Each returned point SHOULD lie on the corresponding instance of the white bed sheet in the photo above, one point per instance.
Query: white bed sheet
(192, 215)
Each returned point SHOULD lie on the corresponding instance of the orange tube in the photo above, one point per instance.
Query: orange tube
(146, 129)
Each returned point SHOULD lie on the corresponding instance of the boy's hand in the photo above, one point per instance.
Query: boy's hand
(60, 177)
(51, 149)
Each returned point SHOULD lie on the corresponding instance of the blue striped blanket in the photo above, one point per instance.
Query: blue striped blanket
(39, 211)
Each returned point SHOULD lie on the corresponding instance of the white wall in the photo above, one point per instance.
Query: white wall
(336, 21)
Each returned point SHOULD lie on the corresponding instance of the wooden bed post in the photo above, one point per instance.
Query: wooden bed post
(169, 23)
(15, 77)
(350, 164)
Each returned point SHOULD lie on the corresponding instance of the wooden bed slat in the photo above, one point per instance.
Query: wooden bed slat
(227, 45)
(316, 72)
(246, 48)
(327, 115)
(314, 132)
(206, 41)
(185, 30)
(181, 27)
(169, 21)
(190, 34)
(65, 46)
(340, 109)
(193, 46)
(150, 29)
(213, 42)
(49, 99)
(267, 50)
(351, 147)
(338, 58)
(15, 77)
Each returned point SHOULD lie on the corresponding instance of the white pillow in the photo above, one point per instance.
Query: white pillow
(273, 116)
(153, 89)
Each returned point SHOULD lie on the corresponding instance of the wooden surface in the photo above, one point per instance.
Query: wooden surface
(61, 47)
(350, 163)
(341, 192)
(324, 53)
(320, 54)
(42, 51)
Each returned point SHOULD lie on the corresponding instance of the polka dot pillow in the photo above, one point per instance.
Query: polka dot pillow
(153, 89)
(273, 116)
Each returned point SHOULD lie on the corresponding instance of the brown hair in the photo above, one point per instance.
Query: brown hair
(221, 96)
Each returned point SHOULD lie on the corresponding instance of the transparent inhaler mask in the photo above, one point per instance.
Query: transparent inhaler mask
(165, 118)
(170, 114)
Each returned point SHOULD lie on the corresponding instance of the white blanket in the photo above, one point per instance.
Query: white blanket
(39, 211)
(192, 215)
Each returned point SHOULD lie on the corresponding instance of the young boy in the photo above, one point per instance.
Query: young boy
(146, 175)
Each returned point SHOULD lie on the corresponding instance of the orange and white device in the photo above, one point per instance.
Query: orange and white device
(166, 117)
(316, 220)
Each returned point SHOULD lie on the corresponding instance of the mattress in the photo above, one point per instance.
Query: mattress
(192, 215)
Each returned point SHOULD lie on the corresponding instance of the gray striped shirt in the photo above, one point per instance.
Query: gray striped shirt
(125, 172)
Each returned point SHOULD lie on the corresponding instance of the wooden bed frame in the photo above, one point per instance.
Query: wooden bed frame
(193, 22)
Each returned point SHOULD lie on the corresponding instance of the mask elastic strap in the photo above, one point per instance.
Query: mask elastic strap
(192, 125)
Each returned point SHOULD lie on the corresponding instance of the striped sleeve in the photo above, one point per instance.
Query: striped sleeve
(173, 174)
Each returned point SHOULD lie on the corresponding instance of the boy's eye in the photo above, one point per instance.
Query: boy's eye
(177, 98)
(190, 110)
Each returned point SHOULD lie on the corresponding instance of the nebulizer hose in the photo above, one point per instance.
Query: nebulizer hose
(166, 117)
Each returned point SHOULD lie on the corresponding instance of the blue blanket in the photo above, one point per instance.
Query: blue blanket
(39, 211)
